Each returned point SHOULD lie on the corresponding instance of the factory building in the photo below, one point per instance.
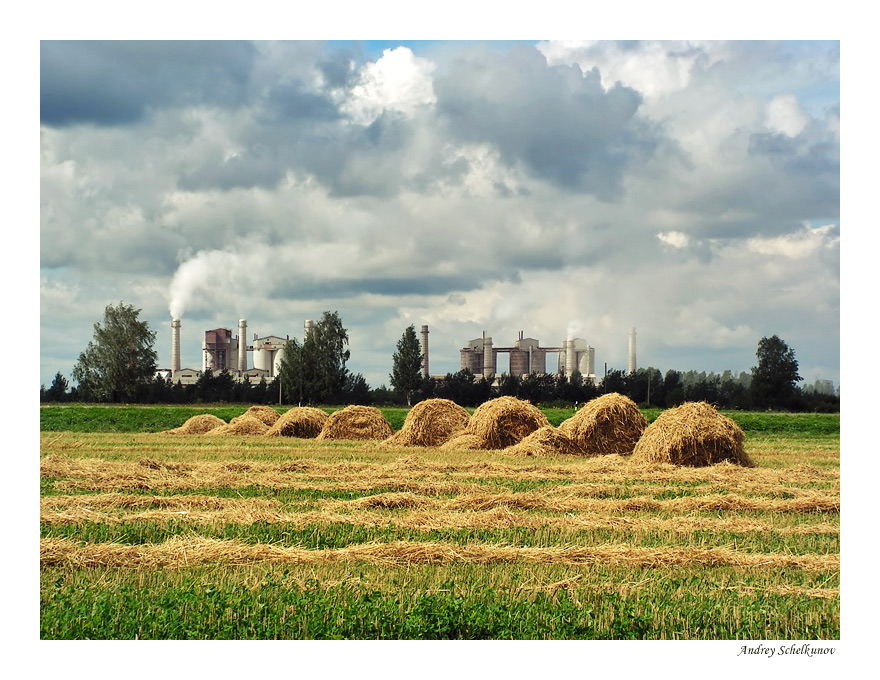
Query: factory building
(527, 356)
(221, 350)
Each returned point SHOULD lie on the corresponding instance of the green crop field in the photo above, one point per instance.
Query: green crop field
(154, 536)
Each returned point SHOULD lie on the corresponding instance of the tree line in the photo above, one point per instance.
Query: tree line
(119, 365)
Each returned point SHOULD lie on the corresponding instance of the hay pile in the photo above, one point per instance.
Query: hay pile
(264, 413)
(304, 422)
(200, 424)
(606, 425)
(358, 423)
(430, 423)
(497, 424)
(545, 441)
(242, 425)
(693, 434)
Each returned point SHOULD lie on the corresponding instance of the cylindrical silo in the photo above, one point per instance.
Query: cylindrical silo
(276, 361)
(472, 360)
(262, 358)
(242, 345)
(175, 347)
(488, 357)
(309, 326)
(425, 351)
(570, 361)
(519, 362)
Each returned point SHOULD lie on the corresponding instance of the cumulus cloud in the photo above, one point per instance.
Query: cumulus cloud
(397, 81)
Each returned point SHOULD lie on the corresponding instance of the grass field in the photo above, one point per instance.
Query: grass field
(145, 535)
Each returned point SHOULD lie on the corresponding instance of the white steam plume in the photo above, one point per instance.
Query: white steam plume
(216, 279)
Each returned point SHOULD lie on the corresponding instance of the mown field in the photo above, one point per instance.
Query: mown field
(147, 535)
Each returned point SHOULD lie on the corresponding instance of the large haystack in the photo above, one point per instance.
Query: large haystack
(606, 425)
(545, 441)
(266, 414)
(499, 423)
(242, 425)
(304, 422)
(200, 424)
(358, 423)
(693, 434)
(430, 423)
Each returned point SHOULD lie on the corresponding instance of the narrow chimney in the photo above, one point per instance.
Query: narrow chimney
(632, 349)
(425, 373)
(242, 345)
(175, 347)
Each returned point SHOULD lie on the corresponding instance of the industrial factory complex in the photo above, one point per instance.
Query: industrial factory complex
(221, 350)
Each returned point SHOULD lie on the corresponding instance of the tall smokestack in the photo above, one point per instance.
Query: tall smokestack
(175, 347)
(425, 373)
(488, 357)
(242, 345)
(632, 349)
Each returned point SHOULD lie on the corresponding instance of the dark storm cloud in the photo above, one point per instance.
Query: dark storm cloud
(293, 101)
(559, 122)
(112, 83)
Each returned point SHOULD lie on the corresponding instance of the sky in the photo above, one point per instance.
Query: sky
(689, 189)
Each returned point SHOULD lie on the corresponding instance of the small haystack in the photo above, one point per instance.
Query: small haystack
(606, 425)
(358, 423)
(430, 423)
(463, 441)
(499, 423)
(693, 434)
(545, 441)
(200, 424)
(304, 422)
(266, 414)
(242, 425)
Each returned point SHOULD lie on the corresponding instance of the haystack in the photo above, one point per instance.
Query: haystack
(200, 424)
(358, 423)
(606, 425)
(242, 425)
(304, 422)
(265, 413)
(693, 434)
(545, 441)
(499, 423)
(463, 441)
(430, 423)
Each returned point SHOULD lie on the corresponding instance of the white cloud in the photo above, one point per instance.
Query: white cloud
(397, 81)
(676, 239)
(798, 245)
(654, 69)
(785, 115)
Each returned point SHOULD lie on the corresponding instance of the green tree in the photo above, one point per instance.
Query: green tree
(260, 391)
(775, 378)
(119, 359)
(357, 391)
(406, 373)
(58, 389)
(314, 372)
